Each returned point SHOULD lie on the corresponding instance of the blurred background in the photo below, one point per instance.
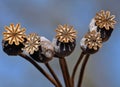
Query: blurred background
(43, 16)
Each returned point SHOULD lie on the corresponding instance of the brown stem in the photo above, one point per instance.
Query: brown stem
(40, 69)
(65, 72)
(76, 66)
(82, 70)
(53, 74)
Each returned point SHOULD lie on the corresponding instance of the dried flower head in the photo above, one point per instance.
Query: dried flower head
(104, 19)
(32, 44)
(65, 33)
(93, 40)
(14, 34)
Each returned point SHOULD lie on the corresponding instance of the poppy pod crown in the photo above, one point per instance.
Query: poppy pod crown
(65, 40)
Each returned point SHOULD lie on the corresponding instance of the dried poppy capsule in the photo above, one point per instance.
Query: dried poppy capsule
(46, 50)
(13, 39)
(64, 42)
(39, 48)
(105, 24)
(32, 46)
(91, 42)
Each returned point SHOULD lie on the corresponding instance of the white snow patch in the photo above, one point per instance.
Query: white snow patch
(82, 43)
(92, 25)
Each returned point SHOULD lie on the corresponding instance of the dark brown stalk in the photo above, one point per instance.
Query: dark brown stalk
(53, 74)
(65, 72)
(82, 70)
(40, 69)
(76, 66)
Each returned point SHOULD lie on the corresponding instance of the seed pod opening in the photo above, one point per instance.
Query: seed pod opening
(91, 42)
(32, 46)
(13, 39)
(64, 42)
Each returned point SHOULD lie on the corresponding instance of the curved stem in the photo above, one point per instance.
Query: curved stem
(82, 70)
(40, 69)
(76, 66)
(65, 72)
(53, 74)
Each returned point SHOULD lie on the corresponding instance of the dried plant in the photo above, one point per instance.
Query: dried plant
(65, 33)
(38, 49)
(32, 44)
(104, 19)
(14, 34)
(93, 40)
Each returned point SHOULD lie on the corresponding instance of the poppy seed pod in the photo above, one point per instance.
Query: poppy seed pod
(46, 50)
(32, 46)
(12, 50)
(104, 23)
(65, 42)
(91, 42)
(39, 48)
(105, 34)
(63, 49)
(13, 39)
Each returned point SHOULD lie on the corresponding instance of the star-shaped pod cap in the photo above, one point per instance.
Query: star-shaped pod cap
(65, 40)
(66, 33)
(105, 20)
(13, 39)
(91, 42)
(32, 43)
